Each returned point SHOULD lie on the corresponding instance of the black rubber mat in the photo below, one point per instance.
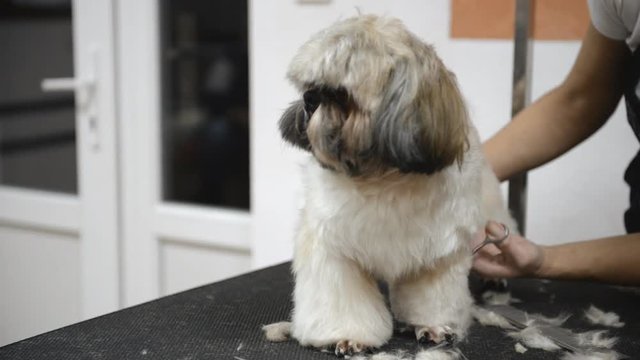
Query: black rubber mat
(223, 320)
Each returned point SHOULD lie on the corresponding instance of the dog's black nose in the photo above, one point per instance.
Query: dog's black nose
(312, 100)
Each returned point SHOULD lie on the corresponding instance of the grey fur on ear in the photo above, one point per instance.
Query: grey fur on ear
(422, 123)
(293, 125)
(396, 126)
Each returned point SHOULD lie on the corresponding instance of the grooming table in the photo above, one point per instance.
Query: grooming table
(223, 321)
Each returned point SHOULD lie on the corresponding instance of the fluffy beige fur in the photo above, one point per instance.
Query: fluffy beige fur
(395, 188)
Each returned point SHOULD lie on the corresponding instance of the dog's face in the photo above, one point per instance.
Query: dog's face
(375, 99)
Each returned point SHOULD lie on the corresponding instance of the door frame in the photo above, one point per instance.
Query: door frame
(38, 210)
(147, 220)
(92, 214)
(94, 49)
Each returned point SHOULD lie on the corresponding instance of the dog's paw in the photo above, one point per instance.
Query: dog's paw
(347, 348)
(435, 334)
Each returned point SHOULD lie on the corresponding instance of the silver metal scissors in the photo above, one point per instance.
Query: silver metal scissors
(491, 240)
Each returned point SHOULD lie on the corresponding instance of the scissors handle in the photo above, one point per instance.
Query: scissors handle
(489, 240)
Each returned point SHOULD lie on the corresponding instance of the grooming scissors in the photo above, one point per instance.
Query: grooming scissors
(492, 240)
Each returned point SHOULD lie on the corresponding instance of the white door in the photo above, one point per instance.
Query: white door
(58, 184)
(184, 133)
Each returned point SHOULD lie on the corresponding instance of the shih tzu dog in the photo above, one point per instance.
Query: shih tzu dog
(395, 188)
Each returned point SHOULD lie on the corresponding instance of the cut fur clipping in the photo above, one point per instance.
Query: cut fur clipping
(610, 355)
(599, 317)
(533, 338)
(398, 355)
(428, 354)
(498, 298)
(277, 332)
(490, 318)
(545, 320)
(520, 348)
(596, 339)
(436, 354)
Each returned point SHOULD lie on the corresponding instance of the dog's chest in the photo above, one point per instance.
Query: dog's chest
(389, 236)
(390, 231)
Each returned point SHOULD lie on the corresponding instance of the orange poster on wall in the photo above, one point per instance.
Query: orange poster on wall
(494, 19)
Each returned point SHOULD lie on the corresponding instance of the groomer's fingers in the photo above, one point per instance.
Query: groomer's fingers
(489, 249)
(495, 230)
(492, 229)
(508, 246)
(493, 266)
(518, 257)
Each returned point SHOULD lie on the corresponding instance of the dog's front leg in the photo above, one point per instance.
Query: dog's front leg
(337, 305)
(436, 302)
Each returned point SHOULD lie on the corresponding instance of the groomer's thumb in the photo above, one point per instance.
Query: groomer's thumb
(496, 231)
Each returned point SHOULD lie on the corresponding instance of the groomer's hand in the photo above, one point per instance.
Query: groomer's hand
(514, 257)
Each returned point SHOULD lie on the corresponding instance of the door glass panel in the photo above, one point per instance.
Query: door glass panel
(205, 86)
(37, 129)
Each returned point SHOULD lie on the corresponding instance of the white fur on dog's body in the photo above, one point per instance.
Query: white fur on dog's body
(404, 217)
(395, 189)
(410, 230)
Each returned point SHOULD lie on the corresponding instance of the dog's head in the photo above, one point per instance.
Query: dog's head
(375, 99)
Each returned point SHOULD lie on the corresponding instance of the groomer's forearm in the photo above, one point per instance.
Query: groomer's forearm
(545, 130)
(566, 115)
(612, 260)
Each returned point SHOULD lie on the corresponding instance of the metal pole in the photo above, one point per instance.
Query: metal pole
(520, 98)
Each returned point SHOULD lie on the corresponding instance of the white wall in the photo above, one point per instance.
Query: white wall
(39, 282)
(579, 196)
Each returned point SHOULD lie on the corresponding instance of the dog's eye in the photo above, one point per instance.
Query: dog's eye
(312, 100)
(341, 97)
(338, 97)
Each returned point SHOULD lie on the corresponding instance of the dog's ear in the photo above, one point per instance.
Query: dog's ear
(421, 125)
(293, 125)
